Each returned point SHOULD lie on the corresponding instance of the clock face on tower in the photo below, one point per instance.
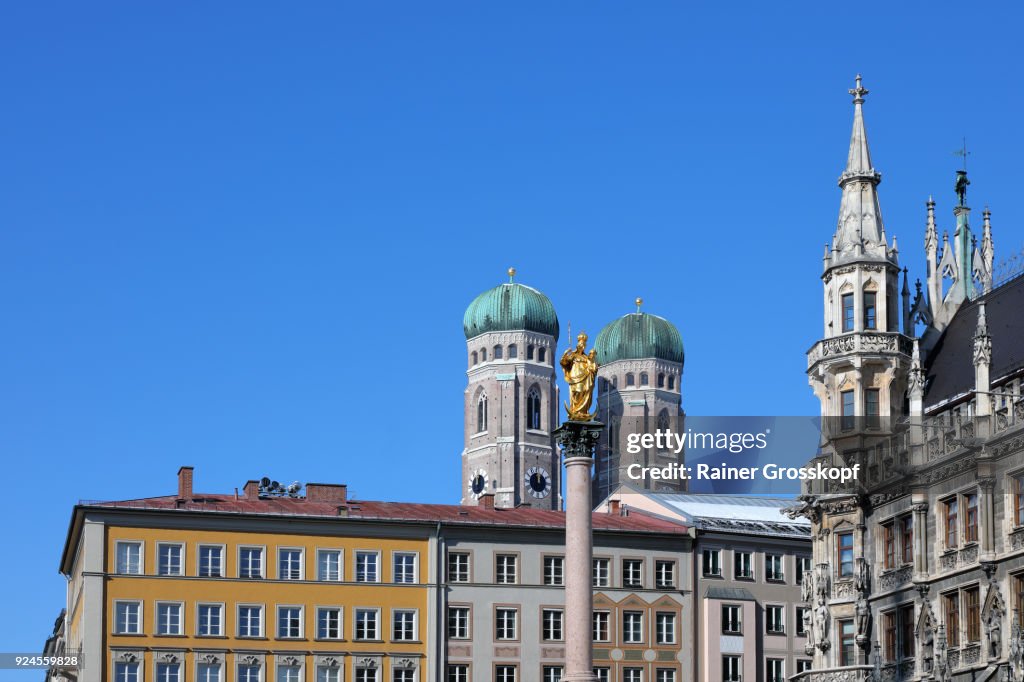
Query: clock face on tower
(538, 482)
(477, 483)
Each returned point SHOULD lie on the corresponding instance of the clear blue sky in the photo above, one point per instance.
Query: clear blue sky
(242, 235)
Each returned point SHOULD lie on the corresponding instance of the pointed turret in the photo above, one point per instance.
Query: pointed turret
(987, 249)
(860, 234)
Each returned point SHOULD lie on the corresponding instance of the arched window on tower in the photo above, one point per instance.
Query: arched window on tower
(476, 358)
(643, 379)
(661, 380)
(671, 382)
(630, 380)
(533, 409)
(663, 420)
(481, 414)
(483, 355)
(513, 352)
(615, 382)
(497, 353)
(540, 354)
(529, 352)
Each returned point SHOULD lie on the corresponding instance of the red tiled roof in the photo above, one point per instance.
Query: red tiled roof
(396, 511)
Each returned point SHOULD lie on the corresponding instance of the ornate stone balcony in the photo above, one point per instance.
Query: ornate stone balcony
(888, 343)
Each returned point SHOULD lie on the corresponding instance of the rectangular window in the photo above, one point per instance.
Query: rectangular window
(208, 672)
(129, 558)
(951, 510)
(168, 618)
(848, 410)
(169, 559)
(906, 614)
(126, 672)
(602, 626)
(632, 573)
(506, 624)
(951, 612)
(367, 623)
(803, 614)
(743, 565)
(803, 567)
(554, 570)
(458, 672)
(250, 562)
(845, 549)
(665, 628)
(551, 622)
(603, 674)
(847, 637)
(731, 669)
(366, 567)
(889, 627)
(712, 562)
(870, 313)
(458, 622)
(972, 612)
(403, 625)
(1018, 502)
(211, 561)
(633, 627)
(404, 568)
(248, 673)
(504, 673)
(971, 517)
(326, 673)
(403, 675)
(552, 673)
(289, 564)
(328, 565)
(773, 570)
(1018, 594)
(731, 623)
(803, 665)
(665, 675)
(288, 673)
(889, 545)
(871, 407)
(632, 675)
(128, 618)
(505, 569)
(366, 675)
(458, 567)
(847, 300)
(250, 621)
(906, 525)
(602, 572)
(328, 622)
(210, 620)
(168, 672)
(774, 620)
(289, 622)
(665, 574)
(775, 671)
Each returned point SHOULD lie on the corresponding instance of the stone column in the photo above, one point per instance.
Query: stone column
(577, 440)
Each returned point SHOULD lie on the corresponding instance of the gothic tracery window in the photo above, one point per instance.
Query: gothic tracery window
(481, 414)
(533, 409)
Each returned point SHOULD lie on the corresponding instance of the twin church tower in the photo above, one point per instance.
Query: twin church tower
(512, 403)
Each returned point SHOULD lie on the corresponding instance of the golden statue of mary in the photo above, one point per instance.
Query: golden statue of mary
(580, 368)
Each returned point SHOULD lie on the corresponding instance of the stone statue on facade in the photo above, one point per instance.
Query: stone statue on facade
(1016, 659)
(926, 637)
(821, 620)
(580, 369)
(994, 630)
(863, 578)
(863, 618)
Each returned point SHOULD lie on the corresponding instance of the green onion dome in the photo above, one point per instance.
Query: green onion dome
(510, 307)
(637, 336)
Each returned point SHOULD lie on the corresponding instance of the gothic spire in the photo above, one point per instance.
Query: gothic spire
(860, 234)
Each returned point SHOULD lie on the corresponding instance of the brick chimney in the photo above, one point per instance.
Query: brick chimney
(613, 507)
(334, 493)
(252, 490)
(185, 484)
(486, 501)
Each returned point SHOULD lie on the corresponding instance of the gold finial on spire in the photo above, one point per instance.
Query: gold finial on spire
(858, 92)
(639, 302)
(511, 275)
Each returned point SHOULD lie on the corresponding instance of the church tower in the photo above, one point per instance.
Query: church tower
(511, 399)
(639, 380)
(859, 369)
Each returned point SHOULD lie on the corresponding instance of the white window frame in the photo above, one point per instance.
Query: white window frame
(717, 551)
(415, 624)
(341, 622)
(468, 556)
(671, 638)
(781, 610)
(263, 561)
(544, 624)
(631, 566)
(142, 557)
(238, 620)
(467, 625)
(515, 624)
(607, 625)
(156, 669)
(627, 635)
(181, 618)
(280, 665)
(199, 559)
(278, 622)
(498, 563)
(780, 577)
(221, 606)
(327, 673)
(395, 555)
(320, 552)
(181, 557)
(658, 573)
(136, 664)
(557, 574)
(355, 565)
(375, 610)
(302, 562)
(596, 579)
(141, 617)
(219, 666)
